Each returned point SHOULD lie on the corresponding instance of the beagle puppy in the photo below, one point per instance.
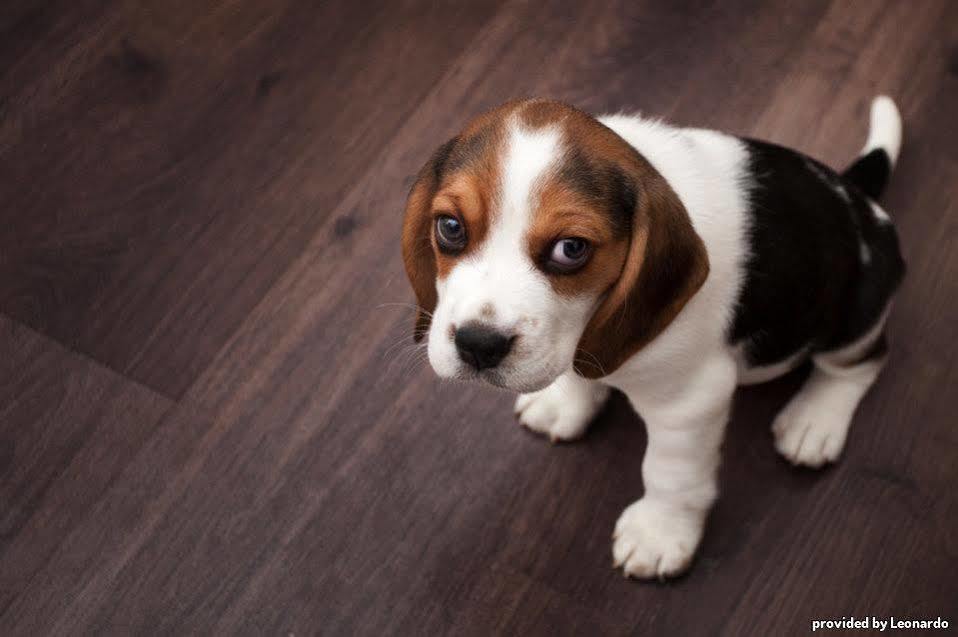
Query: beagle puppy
(559, 255)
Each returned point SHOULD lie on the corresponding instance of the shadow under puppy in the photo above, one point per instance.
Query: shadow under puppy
(557, 254)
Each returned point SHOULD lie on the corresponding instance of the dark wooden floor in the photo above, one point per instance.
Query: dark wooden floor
(207, 423)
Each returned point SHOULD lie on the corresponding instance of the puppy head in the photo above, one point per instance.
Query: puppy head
(539, 241)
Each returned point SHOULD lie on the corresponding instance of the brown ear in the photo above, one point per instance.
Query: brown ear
(665, 266)
(417, 253)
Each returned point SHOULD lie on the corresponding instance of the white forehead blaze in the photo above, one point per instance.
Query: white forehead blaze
(501, 273)
(499, 284)
(529, 156)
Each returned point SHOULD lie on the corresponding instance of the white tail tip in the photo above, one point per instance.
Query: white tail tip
(884, 130)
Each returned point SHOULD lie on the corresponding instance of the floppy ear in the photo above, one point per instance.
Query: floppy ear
(417, 253)
(665, 266)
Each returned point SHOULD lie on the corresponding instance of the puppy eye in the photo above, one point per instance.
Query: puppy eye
(450, 233)
(569, 254)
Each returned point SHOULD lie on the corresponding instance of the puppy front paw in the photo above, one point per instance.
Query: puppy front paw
(808, 433)
(654, 541)
(563, 410)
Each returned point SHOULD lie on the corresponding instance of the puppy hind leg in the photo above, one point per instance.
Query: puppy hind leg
(812, 428)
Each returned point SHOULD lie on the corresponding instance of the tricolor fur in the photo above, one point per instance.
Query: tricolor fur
(559, 255)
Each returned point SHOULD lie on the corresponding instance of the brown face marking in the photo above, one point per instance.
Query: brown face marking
(564, 213)
(647, 260)
(465, 198)
(665, 266)
(586, 195)
(468, 183)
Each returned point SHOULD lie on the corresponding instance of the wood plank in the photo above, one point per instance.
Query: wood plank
(68, 428)
(164, 171)
(314, 476)
(80, 574)
(318, 462)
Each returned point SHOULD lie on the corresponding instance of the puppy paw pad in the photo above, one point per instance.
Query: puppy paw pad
(809, 436)
(652, 543)
(558, 412)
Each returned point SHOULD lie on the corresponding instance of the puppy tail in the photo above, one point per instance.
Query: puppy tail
(871, 170)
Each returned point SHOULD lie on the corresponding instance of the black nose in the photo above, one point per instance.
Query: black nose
(482, 346)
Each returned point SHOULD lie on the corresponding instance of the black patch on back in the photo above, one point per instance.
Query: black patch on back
(870, 172)
(603, 184)
(807, 283)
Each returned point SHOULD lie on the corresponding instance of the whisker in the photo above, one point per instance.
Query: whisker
(407, 305)
(414, 362)
(403, 341)
(594, 358)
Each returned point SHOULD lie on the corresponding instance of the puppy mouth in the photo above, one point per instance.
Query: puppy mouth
(522, 379)
(491, 376)
(497, 378)
(494, 377)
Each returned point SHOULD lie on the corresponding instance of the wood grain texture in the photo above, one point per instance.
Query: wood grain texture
(68, 429)
(206, 196)
(160, 173)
